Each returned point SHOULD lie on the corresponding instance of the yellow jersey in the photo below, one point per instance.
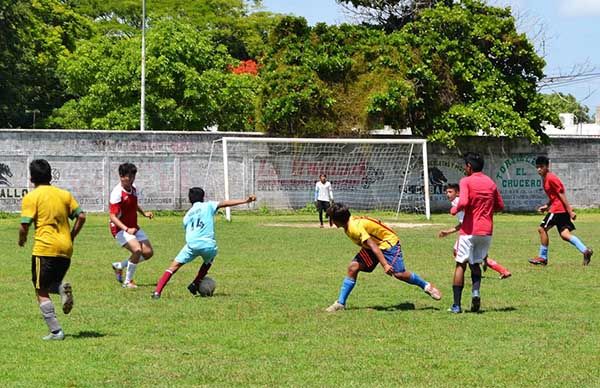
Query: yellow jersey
(49, 208)
(360, 229)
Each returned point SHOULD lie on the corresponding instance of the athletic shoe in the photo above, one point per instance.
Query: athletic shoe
(432, 291)
(475, 304)
(118, 271)
(66, 297)
(538, 261)
(155, 295)
(455, 309)
(587, 256)
(193, 288)
(131, 285)
(336, 306)
(55, 337)
(505, 275)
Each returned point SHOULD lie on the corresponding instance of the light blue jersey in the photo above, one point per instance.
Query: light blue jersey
(199, 224)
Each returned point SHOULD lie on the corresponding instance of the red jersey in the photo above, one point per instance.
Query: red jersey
(553, 186)
(124, 205)
(479, 199)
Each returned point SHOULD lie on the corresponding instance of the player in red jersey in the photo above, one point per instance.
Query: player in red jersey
(123, 211)
(560, 213)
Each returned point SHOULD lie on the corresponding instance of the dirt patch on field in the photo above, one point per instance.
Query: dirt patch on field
(397, 225)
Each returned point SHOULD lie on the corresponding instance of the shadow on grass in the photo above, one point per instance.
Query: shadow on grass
(507, 309)
(86, 334)
(406, 306)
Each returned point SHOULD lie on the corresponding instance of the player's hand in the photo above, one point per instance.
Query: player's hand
(149, 215)
(542, 209)
(22, 241)
(442, 233)
(251, 198)
(453, 210)
(388, 269)
(131, 231)
(572, 215)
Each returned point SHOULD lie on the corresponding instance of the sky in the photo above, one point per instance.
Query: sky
(566, 33)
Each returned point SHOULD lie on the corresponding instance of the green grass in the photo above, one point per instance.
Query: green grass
(266, 325)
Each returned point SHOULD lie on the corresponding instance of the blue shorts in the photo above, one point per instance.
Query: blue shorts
(369, 261)
(187, 254)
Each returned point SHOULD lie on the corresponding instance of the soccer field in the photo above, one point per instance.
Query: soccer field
(266, 324)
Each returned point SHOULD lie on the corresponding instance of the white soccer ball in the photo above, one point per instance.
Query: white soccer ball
(207, 287)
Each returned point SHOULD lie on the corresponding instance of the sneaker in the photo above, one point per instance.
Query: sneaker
(505, 275)
(193, 288)
(118, 271)
(432, 291)
(455, 309)
(587, 256)
(55, 337)
(155, 295)
(538, 261)
(336, 306)
(66, 297)
(131, 285)
(475, 304)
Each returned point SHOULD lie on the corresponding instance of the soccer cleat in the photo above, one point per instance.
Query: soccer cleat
(131, 285)
(55, 337)
(505, 275)
(455, 309)
(193, 288)
(475, 304)
(66, 297)
(118, 271)
(432, 291)
(587, 256)
(538, 261)
(155, 295)
(336, 306)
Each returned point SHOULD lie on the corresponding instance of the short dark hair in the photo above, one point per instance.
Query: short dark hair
(126, 169)
(453, 186)
(324, 175)
(40, 172)
(542, 161)
(339, 212)
(475, 160)
(196, 194)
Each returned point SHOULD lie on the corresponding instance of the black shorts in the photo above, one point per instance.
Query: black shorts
(562, 221)
(322, 205)
(48, 272)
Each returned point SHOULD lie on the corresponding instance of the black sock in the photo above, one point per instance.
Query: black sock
(457, 290)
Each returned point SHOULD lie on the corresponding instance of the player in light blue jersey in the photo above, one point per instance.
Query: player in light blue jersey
(199, 238)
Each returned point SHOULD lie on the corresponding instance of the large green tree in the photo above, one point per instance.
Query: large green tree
(189, 83)
(34, 35)
(567, 103)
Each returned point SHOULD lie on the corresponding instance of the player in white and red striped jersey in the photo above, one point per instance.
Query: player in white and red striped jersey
(123, 209)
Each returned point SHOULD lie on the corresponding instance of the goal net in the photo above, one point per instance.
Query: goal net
(365, 174)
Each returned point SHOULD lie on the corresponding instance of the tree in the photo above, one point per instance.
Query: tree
(189, 84)
(33, 38)
(567, 103)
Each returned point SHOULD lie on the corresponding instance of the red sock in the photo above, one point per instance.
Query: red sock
(162, 282)
(496, 266)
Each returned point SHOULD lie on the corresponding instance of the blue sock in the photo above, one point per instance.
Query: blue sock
(578, 244)
(544, 252)
(347, 286)
(416, 280)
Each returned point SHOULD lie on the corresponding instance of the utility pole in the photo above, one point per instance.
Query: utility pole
(143, 87)
(34, 112)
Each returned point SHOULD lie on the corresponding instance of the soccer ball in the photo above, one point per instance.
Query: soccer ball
(207, 287)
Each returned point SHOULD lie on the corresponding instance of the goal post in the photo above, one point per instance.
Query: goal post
(366, 174)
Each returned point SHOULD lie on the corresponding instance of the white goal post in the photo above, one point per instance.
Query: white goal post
(366, 174)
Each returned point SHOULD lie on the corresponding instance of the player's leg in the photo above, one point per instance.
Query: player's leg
(364, 262)
(547, 224)
(321, 210)
(481, 246)
(208, 256)
(565, 227)
(394, 257)
(147, 250)
(133, 246)
(475, 290)
(489, 262)
(458, 283)
(43, 275)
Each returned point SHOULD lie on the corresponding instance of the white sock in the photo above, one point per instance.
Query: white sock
(130, 272)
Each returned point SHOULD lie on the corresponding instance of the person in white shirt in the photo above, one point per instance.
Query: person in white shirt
(323, 197)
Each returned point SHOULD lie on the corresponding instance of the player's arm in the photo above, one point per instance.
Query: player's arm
(563, 198)
(23, 230)
(463, 199)
(28, 213)
(145, 214)
(375, 248)
(79, 222)
(235, 202)
(446, 232)
(330, 193)
(115, 220)
(498, 201)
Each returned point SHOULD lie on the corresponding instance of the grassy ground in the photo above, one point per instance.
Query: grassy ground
(266, 324)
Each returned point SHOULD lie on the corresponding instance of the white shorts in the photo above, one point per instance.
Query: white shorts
(123, 237)
(472, 248)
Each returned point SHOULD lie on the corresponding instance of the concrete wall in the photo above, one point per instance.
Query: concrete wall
(86, 162)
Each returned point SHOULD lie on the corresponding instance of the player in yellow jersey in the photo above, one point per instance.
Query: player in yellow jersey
(49, 209)
(379, 245)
